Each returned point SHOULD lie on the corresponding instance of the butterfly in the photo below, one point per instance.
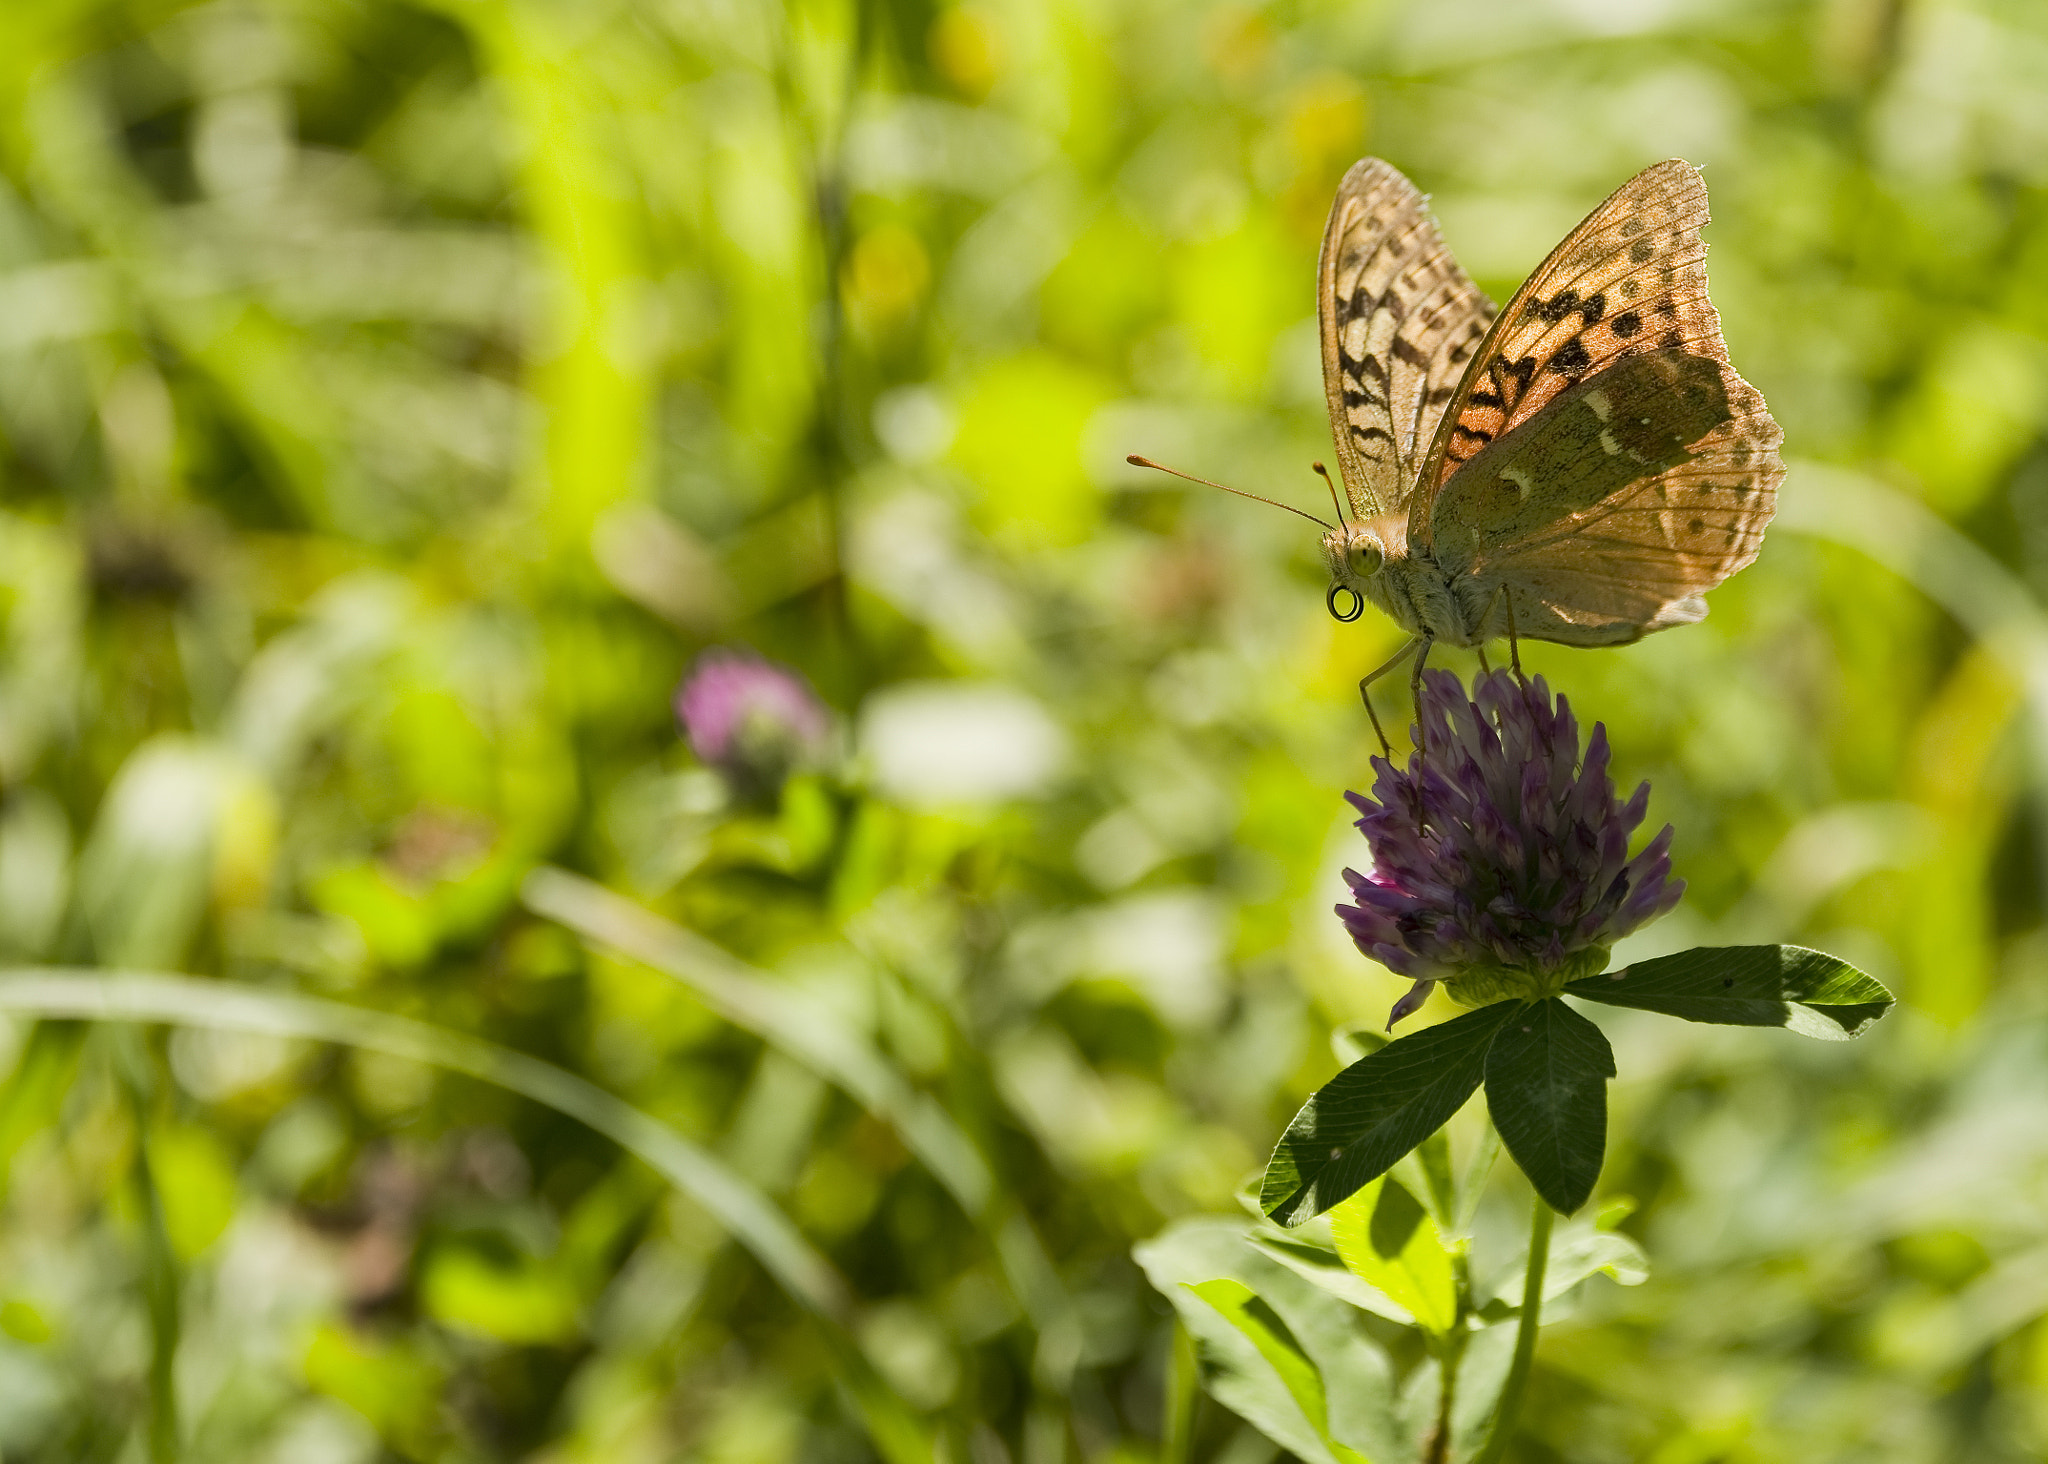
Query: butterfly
(1580, 467)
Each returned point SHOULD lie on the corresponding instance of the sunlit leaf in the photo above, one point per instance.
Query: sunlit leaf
(1277, 1350)
(524, 1303)
(1387, 1239)
(194, 1175)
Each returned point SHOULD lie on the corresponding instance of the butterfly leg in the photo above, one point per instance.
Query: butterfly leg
(1422, 645)
(1365, 695)
(1505, 598)
(1514, 645)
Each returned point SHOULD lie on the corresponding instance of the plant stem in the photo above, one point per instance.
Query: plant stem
(1446, 1401)
(160, 1280)
(1525, 1338)
(1183, 1392)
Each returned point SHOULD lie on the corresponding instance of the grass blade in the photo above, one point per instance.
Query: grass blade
(749, 1216)
(750, 1000)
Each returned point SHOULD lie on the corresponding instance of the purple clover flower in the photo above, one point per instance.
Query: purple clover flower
(750, 718)
(1517, 878)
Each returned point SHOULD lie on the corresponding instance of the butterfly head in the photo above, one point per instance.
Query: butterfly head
(1355, 553)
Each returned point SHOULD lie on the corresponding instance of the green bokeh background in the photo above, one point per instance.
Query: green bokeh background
(394, 398)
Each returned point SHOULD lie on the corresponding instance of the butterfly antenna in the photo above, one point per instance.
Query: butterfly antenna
(1141, 462)
(1331, 483)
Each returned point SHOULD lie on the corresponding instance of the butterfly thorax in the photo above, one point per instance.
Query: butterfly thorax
(1374, 560)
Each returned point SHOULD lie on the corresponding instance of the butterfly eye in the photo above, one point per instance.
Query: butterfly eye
(1364, 558)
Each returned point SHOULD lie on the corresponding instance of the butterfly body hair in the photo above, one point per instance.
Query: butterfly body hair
(1409, 588)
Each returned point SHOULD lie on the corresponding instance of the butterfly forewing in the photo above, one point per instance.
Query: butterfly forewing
(1630, 277)
(1400, 321)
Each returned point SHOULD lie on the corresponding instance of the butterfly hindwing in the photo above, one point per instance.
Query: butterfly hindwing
(1637, 419)
(1641, 560)
(1634, 490)
(1400, 320)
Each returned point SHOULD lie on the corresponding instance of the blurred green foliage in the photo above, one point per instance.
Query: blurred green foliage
(393, 399)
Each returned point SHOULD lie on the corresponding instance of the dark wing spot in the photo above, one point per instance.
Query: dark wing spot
(1478, 435)
(1557, 307)
(1406, 350)
(1626, 324)
(1640, 250)
(1696, 526)
(1571, 358)
(1670, 340)
(1630, 227)
(1439, 395)
(1594, 306)
(1487, 399)
(1667, 306)
(1630, 289)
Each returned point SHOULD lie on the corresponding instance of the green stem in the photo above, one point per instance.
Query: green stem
(160, 1279)
(1525, 1338)
(1183, 1392)
(1448, 1362)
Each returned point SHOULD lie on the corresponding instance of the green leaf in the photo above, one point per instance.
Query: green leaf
(1431, 1176)
(1387, 1240)
(1268, 1362)
(1809, 992)
(1360, 1122)
(1546, 1075)
(1325, 1268)
(525, 1303)
(1482, 1372)
(1579, 1249)
(1260, 1325)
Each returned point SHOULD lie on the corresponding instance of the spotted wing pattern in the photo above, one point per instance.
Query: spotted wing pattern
(1611, 511)
(1400, 323)
(1663, 496)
